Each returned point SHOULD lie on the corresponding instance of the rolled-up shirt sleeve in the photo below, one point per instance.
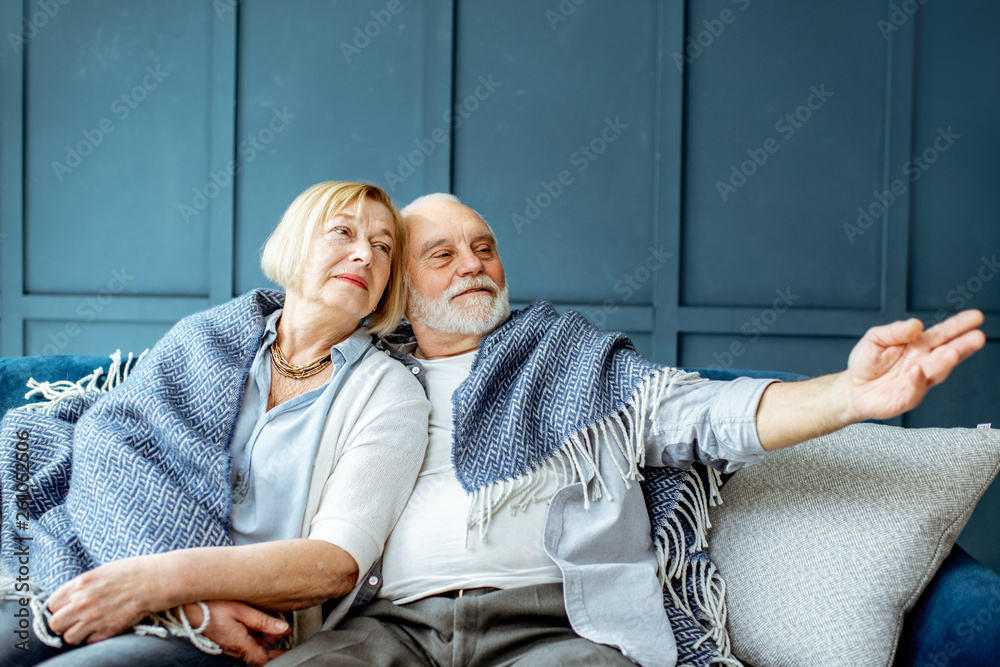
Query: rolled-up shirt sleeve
(709, 421)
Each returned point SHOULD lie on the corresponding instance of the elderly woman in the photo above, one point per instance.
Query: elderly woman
(260, 453)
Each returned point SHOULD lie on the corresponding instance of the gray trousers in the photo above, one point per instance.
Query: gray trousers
(518, 626)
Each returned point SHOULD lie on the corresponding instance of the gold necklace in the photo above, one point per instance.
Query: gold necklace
(296, 372)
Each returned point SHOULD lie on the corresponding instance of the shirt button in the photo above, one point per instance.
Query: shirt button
(416, 370)
(373, 581)
(387, 353)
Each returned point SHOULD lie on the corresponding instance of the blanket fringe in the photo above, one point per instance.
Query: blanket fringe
(624, 435)
(166, 623)
(161, 625)
(709, 609)
(55, 393)
(40, 613)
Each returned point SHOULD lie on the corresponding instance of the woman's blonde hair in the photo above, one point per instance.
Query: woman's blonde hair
(286, 248)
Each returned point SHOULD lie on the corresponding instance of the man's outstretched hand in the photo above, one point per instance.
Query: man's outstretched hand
(891, 369)
(888, 373)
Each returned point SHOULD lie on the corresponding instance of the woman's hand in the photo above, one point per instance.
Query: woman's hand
(105, 601)
(230, 626)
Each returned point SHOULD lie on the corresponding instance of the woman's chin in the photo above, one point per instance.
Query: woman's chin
(346, 307)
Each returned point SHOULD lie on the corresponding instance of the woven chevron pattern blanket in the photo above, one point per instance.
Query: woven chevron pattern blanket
(543, 391)
(142, 469)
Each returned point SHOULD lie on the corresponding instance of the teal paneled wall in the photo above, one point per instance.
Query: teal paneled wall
(785, 137)
(561, 158)
(347, 113)
(956, 205)
(115, 133)
(689, 172)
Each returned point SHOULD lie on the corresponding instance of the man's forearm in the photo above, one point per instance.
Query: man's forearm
(792, 412)
(888, 373)
(282, 575)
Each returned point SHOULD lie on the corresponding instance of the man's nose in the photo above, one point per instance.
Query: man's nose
(470, 264)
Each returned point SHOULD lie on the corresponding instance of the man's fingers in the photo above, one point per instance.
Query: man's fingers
(246, 649)
(943, 359)
(953, 327)
(257, 620)
(274, 653)
(895, 333)
(252, 653)
(267, 640)
(239, 643)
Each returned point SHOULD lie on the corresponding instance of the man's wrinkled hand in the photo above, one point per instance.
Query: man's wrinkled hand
(891, 369)
(232, 625)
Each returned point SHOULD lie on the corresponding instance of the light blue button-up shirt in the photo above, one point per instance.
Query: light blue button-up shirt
(273, 450)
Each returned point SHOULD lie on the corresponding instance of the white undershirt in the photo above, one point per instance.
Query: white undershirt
(430, 550)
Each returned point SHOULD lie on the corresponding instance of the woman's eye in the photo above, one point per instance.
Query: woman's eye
(384, 248)
(343, 231)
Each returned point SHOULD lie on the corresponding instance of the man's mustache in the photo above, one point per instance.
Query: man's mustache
(465, 284)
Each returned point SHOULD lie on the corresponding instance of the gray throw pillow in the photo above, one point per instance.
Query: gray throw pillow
(825, 545)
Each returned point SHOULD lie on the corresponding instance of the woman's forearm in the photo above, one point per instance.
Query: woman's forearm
(281, 575)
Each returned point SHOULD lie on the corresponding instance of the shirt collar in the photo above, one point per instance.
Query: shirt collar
(354, 346)
(351, 348)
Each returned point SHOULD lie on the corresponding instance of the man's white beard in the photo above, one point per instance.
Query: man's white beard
(477, 316)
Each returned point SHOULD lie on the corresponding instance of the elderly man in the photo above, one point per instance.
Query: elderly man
(526, 539)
